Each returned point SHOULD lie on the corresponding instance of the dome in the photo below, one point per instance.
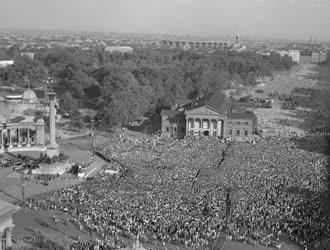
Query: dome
(40, 122)
(29, 96)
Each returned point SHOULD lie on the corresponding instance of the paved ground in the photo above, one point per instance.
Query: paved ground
(78, 149)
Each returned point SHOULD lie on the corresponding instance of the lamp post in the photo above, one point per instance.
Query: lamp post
(92, 134)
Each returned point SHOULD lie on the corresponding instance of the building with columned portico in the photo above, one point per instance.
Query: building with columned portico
(21, 129)
(211, 115)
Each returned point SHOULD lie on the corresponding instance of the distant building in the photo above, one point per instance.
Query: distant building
(282, 53)
(5, 63)
(210, 115)
(28, 54)
(237, 45)
(120, 49)
(295, 55)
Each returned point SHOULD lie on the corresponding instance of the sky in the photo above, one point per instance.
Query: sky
(278, 19)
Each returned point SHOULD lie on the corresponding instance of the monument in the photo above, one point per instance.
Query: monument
(52, 148)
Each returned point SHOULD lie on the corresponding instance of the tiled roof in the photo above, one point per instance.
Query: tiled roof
(243, 115)
(17, 119)
(216, 101)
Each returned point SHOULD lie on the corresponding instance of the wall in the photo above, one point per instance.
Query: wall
(239, 124)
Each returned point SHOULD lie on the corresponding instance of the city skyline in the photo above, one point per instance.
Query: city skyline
(255, 19)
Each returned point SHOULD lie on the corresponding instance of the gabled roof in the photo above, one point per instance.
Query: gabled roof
(17, 119)
(216, 101)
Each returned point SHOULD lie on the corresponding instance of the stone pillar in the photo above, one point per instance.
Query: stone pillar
(195, 127)
(40, 132)
(28, 137)
(9, 138)
(52, 128)
(9, 231)
(219, 127)
(19, 143)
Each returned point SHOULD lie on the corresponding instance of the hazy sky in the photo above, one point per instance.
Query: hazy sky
(293, 19)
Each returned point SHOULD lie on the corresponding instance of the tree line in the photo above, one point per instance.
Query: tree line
(123, 87)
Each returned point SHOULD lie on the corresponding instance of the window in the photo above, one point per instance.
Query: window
(238, 132)
(167, 129)
(174, 129)
(246, 123)
(246, 133)
(230, 132)
(239, 123)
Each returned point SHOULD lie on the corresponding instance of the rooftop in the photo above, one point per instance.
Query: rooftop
(242, 115)
(216, 101)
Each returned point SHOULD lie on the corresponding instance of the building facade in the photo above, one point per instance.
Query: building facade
(209, 116)
(21, 129)
(22, 133)
(295, 55)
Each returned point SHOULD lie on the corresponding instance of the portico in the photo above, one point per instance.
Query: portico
(208, 125)
(18, 135)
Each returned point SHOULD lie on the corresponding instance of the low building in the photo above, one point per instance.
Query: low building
(173, 123)
(28, 54)
(210, 115)
(295, 55)
(20, 133)
(4, 64)
(120, 49)
(6, 223)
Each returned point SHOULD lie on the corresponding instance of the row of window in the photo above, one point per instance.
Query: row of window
(239, 123)
(173, 129)
(238, 132)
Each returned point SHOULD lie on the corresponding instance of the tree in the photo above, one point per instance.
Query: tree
(287, 62)
(68, 104)
(77, 121)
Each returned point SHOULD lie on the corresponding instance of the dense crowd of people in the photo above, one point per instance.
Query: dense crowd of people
(196, 191)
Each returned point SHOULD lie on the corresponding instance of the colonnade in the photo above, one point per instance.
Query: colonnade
(16, 137)
(205, 126)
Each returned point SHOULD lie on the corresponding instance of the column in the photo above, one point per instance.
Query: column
(9, 231)
(9, 138)
(52, 128)
(19, 138)
(28, 137)
(187, 126)
(219, 128)
(1, 138)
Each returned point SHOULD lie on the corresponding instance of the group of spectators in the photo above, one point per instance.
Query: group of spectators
(198, 191)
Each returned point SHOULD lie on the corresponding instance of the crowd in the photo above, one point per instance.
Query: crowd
(192, 192)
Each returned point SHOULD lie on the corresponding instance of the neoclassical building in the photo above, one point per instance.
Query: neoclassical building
(22, 131)
(211, 115)
(6, 223)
